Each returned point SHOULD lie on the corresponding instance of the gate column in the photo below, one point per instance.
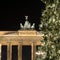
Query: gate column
(33, 51)
(20, 51)
(0, 51)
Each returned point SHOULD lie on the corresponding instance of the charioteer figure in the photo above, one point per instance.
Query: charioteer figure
(27, 25)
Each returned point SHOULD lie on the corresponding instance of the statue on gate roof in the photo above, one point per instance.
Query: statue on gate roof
(27, 25)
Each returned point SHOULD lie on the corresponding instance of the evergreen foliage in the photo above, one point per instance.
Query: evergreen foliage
(50, 26)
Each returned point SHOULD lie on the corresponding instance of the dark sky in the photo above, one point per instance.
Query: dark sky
(13, 12)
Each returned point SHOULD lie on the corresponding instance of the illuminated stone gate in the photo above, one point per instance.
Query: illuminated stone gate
(27, 36)
(20, 38)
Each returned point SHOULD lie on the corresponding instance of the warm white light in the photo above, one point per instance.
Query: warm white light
(39, 53)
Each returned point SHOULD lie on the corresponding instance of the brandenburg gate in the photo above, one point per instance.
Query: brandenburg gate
(12, 44)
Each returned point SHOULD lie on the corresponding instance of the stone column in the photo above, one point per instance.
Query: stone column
(8, 51)
(33, 51)
(20, 51)
(0, 51)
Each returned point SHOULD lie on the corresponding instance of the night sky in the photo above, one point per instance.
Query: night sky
(13, 12)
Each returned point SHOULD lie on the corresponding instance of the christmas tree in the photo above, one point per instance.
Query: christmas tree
(50, 26)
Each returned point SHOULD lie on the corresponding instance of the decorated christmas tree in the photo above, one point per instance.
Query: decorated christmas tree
(50, 26)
